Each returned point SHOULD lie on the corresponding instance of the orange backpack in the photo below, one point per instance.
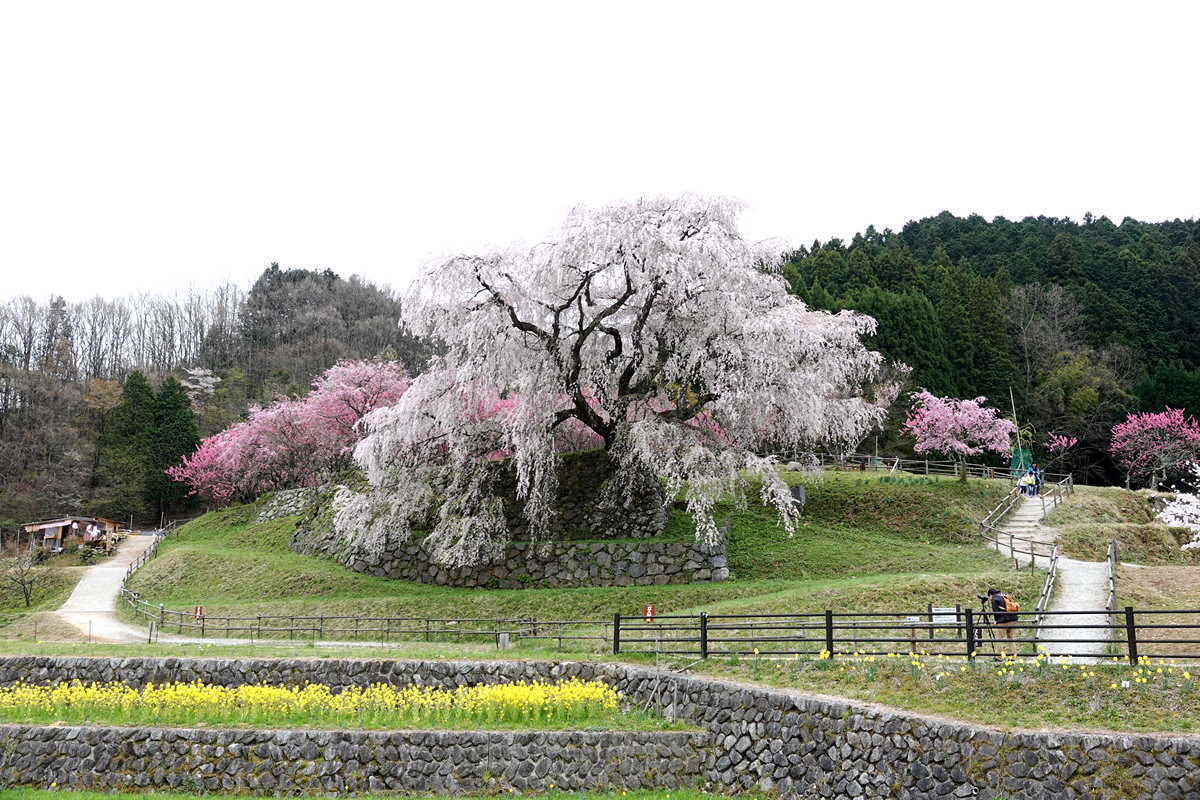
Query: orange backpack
(1010, 605)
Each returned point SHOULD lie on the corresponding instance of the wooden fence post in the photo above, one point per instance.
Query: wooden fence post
(1131, 635)
(704, 634)
(616, 633)
(970, 634)
(829, 632)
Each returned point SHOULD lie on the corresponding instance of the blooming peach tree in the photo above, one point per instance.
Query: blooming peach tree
(957, 428)
(292, 443)
(1149, 445)
(651, 329)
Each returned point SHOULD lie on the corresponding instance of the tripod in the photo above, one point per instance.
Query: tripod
(984, 613)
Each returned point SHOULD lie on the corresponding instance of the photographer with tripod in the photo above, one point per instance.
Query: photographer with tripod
(1004, 612)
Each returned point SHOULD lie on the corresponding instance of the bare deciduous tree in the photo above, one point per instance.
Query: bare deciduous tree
(1044, 321)
(21, 576)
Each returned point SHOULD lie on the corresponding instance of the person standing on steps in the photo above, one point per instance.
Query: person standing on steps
(1004, 612)
(1036, 471)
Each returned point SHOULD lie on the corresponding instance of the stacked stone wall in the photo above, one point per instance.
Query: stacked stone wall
(637, 561)
(311, 762)
(797, 745)
(612, 563)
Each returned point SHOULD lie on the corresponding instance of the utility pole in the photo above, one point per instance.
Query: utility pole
(1013, 403)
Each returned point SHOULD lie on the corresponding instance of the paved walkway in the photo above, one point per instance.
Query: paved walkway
(1079, 586)
(92, 607)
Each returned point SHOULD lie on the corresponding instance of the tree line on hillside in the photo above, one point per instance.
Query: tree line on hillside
(1082, 321)
(93, 394)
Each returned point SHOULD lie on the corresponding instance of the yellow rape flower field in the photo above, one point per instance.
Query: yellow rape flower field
(570, 704)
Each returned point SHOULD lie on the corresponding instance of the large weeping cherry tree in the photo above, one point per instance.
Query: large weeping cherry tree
(653, 328)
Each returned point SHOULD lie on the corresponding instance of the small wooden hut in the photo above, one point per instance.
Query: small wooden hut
(59, 533)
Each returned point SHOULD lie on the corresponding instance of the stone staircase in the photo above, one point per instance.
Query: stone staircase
(1081, 585)
(1024, 523)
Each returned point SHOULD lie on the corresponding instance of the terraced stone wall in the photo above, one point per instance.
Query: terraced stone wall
(799, 746)
(310, 762)
(638, 561)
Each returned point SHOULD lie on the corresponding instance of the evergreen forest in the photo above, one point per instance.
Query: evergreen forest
(1069, 324)
(1081, 321)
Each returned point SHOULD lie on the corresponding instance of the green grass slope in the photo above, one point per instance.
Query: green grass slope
(864, 542)
(53, 586)
(1094, 515)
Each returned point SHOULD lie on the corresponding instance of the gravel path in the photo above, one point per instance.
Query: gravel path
(1079, 586)
(92, 607)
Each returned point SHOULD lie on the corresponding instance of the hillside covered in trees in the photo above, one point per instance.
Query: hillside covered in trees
(98, 398)
(1083, 321)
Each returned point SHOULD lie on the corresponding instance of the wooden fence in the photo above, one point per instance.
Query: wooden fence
(962, 633)
(293, 628)
(917, 466)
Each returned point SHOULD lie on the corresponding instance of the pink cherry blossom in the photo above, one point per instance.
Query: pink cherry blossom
(956, 428)
(1058, 443)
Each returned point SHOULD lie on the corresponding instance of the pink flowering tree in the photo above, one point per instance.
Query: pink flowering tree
(1059, 444)
(651, 329)
(293, 443)
(1060, 447)
(1149, 445)
(957, 428)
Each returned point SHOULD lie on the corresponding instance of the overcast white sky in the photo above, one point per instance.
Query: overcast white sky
(152, 146)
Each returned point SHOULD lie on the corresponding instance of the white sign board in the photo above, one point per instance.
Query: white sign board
(945, 615)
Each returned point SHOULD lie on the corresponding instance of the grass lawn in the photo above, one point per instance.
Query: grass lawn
(398, 650)
(865, 541)
(1161, 588)
(1029, 693)
(53, 586)
(1095, 515)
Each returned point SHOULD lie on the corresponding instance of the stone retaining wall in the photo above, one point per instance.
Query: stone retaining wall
(631, 563)
(560, 563)
(796, 745)
(290, 762)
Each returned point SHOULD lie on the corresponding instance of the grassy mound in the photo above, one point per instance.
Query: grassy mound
(864, 542)
(1140, 543)
(1101, 504)
(1094, 515)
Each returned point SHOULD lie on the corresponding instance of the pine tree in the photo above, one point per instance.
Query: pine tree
(175, 435)
(125, 452)
(908, 332)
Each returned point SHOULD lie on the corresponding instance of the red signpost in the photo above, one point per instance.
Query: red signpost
(648, 614)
